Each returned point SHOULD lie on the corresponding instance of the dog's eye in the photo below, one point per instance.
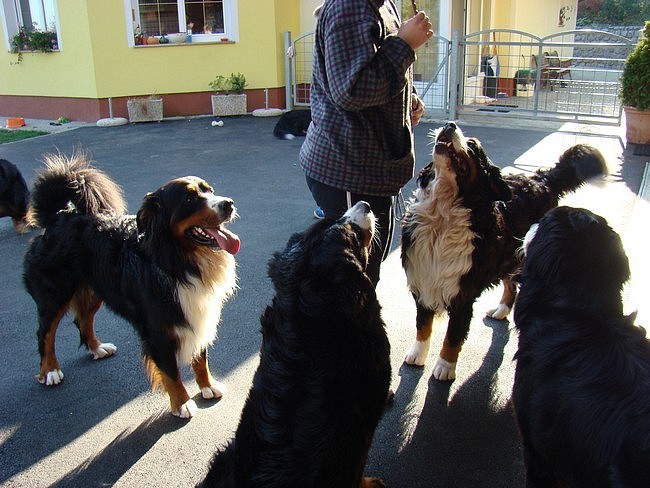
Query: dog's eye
(190, 198)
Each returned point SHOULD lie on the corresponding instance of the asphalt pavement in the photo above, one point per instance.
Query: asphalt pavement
(104, 427)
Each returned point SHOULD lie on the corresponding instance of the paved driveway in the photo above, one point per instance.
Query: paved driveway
(102, 426)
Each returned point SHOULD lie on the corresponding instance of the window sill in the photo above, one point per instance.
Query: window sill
(193, 43)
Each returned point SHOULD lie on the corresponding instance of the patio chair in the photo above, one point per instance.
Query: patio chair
(543, 68)
(558, 69)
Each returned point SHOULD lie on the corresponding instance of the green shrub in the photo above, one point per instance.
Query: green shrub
(635, 81)
(235, 83)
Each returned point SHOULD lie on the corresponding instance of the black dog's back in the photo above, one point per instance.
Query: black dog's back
(535, 195)
(292, 124)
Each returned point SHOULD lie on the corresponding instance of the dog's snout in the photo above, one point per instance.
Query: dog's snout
(449, 128)
(226, 206)
(364, 207)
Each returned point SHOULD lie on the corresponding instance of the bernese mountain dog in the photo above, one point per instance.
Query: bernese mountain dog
(324, 371)
(461, 233)
(292, 124)
(14, 195)
(167, 270)
(581, 394)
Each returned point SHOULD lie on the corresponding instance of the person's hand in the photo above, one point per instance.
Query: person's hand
(416, 31)
(417, 109)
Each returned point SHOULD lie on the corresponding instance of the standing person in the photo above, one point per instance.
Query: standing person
(359, 145)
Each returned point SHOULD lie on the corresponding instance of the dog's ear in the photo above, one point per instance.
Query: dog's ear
(500, 189)
(147, 213)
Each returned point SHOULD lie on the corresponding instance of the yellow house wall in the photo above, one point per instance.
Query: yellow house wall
(95, 60)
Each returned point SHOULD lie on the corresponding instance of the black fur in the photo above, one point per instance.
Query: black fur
(14, 195)
(324, 371)
(90, 253)
(292, 123)
(582, 383)
(502, 208)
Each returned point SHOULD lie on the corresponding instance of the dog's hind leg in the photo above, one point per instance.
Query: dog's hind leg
(424, 322)
(460, 316)
(210, 388)
(507, 300)
(85, 305)
(181, 404)
(50, 372)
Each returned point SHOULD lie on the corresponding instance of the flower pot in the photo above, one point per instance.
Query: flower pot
(637, 124)
(229, 104)
(145, 109)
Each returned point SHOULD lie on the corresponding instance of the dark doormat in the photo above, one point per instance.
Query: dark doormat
(641, 150)
(497, 107)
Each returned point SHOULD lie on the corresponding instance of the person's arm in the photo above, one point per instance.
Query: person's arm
(362, 71)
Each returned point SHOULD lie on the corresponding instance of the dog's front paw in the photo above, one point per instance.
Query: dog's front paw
(104, 350)
(187, 410)
(444, 370)
(499, 313)
(215, 390)
(417, 356)
(52, 378)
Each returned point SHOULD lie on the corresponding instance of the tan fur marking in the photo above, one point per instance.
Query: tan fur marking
(509, 292)
(85, 305)
(450, 353)
(174, 387)
(368, 482)
(48, 359)
(201, 370)
(424, 332)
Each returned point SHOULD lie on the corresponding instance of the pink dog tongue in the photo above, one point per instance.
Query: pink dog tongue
(227, 241)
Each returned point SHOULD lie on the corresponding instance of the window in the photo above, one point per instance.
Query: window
(32, 15)
(209, 20)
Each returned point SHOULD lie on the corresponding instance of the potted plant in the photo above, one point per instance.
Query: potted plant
(145, 109)
(229, 98)
(635, 91)
(33, 40)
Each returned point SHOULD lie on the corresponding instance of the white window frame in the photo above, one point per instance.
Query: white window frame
(12, 19)
(230, 17)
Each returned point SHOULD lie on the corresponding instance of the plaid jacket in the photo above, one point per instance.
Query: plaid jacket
(360, 138)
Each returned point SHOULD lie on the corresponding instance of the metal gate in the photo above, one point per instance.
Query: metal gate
(517, 74)
(502, 72)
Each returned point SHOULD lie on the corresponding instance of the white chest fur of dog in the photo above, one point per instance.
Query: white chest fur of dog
(202, 303)
(441, 249)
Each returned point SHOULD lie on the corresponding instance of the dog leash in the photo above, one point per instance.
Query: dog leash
(415, 7)
(399, 206)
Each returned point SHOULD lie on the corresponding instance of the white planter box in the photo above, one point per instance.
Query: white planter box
(230, 104)
(145, 109)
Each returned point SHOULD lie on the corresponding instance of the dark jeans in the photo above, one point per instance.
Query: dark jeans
(334, 203)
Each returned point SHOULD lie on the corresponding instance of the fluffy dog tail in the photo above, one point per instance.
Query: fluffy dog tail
(577, 165)
(73, 185)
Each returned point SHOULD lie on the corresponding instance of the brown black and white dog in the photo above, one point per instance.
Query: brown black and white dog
(462, 230)
(167, 270)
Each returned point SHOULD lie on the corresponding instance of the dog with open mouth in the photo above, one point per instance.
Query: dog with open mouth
(462, 230)
(167, 270)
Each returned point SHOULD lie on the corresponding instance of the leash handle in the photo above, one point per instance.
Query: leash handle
(415, 7)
